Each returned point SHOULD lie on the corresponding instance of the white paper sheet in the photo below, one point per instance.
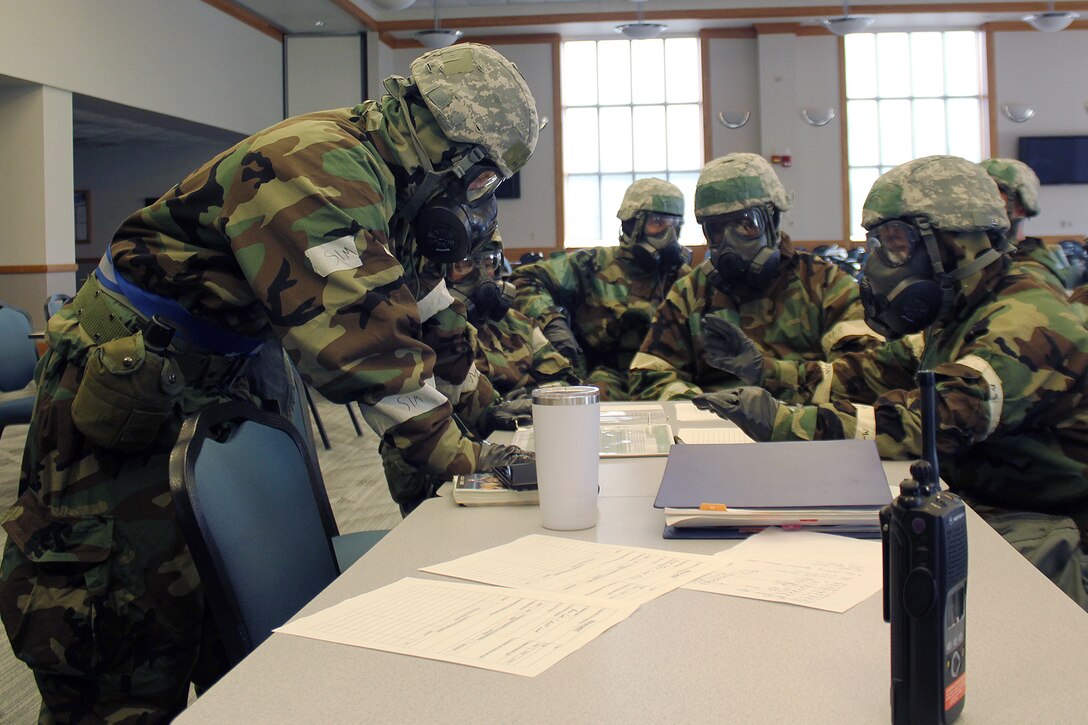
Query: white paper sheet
(822, 571)
(713, 435)
(687, 412)
(507, 630)
(550, 563)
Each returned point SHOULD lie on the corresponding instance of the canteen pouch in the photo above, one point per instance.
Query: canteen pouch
(126, 394)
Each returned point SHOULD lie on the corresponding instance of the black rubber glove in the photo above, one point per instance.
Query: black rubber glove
(562, 339)
(508, 415)
(752, 409)
(729, 349)
(496, 455)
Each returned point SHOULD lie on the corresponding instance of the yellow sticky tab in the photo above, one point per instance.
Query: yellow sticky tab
(713, 507)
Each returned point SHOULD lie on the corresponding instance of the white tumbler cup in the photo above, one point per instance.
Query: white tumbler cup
(567, 431)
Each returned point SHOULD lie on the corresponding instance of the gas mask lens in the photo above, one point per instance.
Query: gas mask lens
(894, 242)
(745, 225)
(482, 185)
(656, 224)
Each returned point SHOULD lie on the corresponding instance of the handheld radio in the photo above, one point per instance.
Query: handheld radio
(924, 534)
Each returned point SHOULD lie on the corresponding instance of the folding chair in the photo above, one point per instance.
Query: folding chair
(54, 303)
(253, 508)
(18, 356)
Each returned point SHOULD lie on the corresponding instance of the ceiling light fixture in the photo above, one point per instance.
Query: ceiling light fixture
(437, 37)
(848, 23)
(1050, 21)
(392, 4)
(641, 30)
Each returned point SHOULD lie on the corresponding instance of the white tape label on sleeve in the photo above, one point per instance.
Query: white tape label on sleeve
(995, 392)
(866, 429)
(434, 301)
(339, 254)
(822, 394)
(395, 409)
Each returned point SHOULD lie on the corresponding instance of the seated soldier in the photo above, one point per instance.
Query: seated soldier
(1009, 353)
(610, 293)
(795, 306)
(511, 350)
(1019, 187)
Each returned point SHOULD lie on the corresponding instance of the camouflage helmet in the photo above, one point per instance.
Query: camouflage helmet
(654, 195)
(955, 194)
(737, 181)
(1016, 177)
(492, 245)
(479, 97)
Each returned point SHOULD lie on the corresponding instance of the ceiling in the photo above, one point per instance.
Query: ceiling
(100, 123)
(601, 16)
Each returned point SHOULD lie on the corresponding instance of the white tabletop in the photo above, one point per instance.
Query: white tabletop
(687, 656)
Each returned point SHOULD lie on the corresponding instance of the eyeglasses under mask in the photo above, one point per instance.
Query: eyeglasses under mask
(487, 262)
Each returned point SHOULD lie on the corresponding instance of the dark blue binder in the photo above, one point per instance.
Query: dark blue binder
(796, 474)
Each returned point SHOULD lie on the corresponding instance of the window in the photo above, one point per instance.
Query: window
(631, 109)
(909, 95)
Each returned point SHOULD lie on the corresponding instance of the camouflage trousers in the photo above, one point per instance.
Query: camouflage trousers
(98, 591)
(1052, 543)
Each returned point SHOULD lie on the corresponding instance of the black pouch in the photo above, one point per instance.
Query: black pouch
(126, 394)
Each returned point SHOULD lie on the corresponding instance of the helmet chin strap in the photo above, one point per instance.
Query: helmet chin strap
(432, 180)
(948, 280)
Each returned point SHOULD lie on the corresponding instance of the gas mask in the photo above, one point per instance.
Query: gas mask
(744, 247)
(899, 289)
(472, 280)
(655, 242)
(460, 217)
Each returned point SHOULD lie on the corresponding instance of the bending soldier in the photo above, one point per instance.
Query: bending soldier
(289, 237)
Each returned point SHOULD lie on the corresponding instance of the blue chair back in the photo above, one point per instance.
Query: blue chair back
(54, 303)
(18, 354)
(254, 511)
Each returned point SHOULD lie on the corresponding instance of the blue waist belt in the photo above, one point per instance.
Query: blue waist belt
(204, 334)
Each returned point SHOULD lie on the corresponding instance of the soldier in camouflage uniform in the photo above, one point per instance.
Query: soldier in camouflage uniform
(484, 368)
(283, 239)
(1009, 353)
(1019, 187)
(477, 402)
(596, 304)
(794, 305)
(511, 349)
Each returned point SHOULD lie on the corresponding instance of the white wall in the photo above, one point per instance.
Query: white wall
(733, 87)
(1049, 72)
(323, 72)
(182, 58)
(121, 177)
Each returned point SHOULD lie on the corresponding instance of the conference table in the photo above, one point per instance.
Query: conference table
(687, 656)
